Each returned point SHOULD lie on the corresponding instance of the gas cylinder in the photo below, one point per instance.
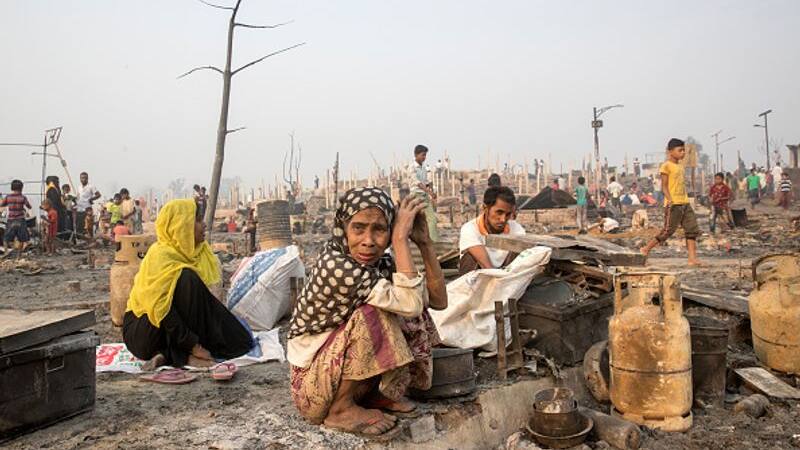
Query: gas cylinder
(130, 252)
(775, 311)
(650, 352)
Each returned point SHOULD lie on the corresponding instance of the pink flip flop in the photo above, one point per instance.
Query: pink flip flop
(223, 371)
(170, 376)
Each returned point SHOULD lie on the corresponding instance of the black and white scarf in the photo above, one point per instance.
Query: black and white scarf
(338, 284)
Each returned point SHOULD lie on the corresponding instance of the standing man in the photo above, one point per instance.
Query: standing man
(777, 175)
(471, 192)
(87, 194)
(418, 183)
(637, 168)
(615, 189)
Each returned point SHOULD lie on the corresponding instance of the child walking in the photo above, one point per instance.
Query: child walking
(580, 196)
(51, 220)
(16, 226)
(785, 194)
(677, 211)
(720, 195)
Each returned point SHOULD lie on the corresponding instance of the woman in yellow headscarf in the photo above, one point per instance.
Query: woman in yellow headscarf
(172, 317)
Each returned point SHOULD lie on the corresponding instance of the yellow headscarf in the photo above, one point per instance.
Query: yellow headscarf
(175, 250)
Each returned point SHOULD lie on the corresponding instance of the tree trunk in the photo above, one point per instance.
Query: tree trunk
(222, 130)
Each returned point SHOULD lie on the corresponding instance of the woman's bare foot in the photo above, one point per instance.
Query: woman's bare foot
(695, 263)
(355, 419)
(377, 400)
(154, 363)
(194, 361)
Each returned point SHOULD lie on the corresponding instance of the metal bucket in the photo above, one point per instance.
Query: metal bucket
(709, 358)
(555, 413)
(739, 217)
(453, 374)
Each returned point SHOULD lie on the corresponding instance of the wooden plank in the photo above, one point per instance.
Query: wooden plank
(570, 248)
(722, 300)
(22, 329)
(768, 384)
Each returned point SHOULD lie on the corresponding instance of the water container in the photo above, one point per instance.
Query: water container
(130, 252)
(650, 352)
(775, 311)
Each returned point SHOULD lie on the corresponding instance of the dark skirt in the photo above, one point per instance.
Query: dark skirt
(195, 317)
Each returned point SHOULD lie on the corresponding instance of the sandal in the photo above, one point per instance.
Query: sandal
(386, 436)
(384, 404)
(223, 371)
(170, 376)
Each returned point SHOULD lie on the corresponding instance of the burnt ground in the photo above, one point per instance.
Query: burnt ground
(255, 410)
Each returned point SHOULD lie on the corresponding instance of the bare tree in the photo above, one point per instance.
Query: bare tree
(291, 167)
(227, 74)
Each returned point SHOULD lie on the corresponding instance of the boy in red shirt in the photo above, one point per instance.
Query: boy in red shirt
(720, 195)
(16, 226)
(52, 227)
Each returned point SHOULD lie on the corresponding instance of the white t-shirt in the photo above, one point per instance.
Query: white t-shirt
(85, 194)
(776, 174)
(609, 224)
(615, 189)
(471, 237)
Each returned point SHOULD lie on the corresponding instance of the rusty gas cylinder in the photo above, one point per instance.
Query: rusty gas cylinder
(130, 252)
(650, 352)
(775, 311)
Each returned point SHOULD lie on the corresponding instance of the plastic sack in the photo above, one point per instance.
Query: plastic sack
(259, 292)
(468, 321)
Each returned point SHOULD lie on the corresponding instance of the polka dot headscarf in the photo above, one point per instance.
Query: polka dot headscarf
(338, 284)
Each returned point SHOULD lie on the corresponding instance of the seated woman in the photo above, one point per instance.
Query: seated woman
(172, 318)
(360, 333)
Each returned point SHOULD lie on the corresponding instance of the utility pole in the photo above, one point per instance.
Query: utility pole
(717, 156)
(596, 124)
(336, 183)
(766, 133)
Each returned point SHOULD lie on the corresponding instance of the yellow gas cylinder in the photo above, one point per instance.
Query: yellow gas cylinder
(650, 352)
(775, 311)
(130, 252)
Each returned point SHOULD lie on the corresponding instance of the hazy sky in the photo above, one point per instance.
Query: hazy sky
(518, 78)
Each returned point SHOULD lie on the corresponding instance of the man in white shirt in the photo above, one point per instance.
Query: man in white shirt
(615, 189)
(499, 205)
(87, 194)
(777, 174)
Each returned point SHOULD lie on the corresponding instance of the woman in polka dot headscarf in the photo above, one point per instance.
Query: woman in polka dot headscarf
(360, 334)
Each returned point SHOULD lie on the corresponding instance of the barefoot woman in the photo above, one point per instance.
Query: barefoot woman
(172, 318)
(360, 333)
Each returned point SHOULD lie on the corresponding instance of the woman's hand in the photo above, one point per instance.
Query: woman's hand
(420, 234)
(406, 214)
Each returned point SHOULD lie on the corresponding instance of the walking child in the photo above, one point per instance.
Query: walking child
(580, 196)
(720, 195)
(753, 188)
(785, 193)
(677, 211)
(51, 222)
(16, 226)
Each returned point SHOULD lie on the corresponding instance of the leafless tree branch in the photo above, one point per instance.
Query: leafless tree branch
(265, 57)
(246, 25)
(229, 8)
(201, 68)
(235, 130)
